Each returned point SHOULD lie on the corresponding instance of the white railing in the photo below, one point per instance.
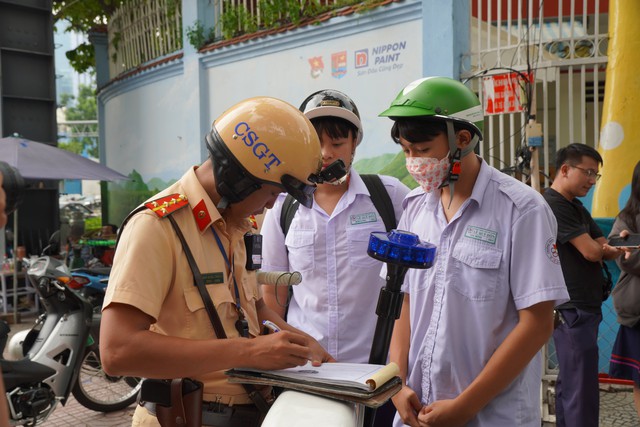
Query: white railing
(78, 129)
(246, 16)
(142, 30)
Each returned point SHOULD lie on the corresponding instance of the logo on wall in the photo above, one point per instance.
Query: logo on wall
(317, 66)
(339, 64)
(361, 58)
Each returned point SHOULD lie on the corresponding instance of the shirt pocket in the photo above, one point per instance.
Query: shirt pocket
(222, 300)
(476, 270)
(301, 251)
(219, 295)
(358, 242)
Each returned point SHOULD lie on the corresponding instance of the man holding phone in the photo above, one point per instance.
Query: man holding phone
(581, 248)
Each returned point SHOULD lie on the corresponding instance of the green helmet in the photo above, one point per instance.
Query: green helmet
(446, 99)
(439, 97)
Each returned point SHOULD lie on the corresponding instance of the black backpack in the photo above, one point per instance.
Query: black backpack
(379, 197)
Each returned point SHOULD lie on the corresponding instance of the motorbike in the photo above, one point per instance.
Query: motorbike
(400, 250)
(61, 355)
(91, 283)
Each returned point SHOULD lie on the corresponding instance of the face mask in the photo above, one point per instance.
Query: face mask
(429, 172)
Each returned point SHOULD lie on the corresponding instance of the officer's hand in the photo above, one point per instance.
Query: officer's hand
(408, 405)
(284, 349)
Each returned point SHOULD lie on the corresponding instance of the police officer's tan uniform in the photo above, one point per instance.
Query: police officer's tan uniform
(151, 273)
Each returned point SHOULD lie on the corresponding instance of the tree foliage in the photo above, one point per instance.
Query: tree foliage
(83, 16)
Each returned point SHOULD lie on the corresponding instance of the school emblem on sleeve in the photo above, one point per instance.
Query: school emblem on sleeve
(551, 250)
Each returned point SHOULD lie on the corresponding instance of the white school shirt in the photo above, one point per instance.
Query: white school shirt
(495, 257)
(336, 301)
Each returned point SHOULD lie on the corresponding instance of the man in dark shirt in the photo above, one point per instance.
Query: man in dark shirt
(581, 247)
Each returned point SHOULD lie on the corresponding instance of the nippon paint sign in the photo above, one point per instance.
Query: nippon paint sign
(366, 61)
(371, 67)
(384, 58)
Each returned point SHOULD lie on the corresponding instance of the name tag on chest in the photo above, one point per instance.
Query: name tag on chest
(477, 233)
(213, 278)
(363, 218)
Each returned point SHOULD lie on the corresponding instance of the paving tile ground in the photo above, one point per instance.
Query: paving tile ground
(74, 414)
(616, 407)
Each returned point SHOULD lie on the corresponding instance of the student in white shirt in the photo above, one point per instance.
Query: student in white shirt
(327, 243)
(469, 336)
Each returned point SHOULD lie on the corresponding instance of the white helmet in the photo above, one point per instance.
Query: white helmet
(333, 103)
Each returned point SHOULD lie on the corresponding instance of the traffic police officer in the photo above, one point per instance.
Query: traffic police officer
(154, 322)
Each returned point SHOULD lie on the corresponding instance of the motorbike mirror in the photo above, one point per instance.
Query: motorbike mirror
(54, 244)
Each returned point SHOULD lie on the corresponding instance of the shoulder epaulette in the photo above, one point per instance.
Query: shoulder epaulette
(167, 205)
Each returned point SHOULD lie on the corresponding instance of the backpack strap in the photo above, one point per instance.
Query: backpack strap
(289, 208)
(381, 200)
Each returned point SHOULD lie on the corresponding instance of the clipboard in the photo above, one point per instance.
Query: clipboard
(372, 399)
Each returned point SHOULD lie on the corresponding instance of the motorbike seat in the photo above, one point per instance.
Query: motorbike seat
(19, 372)
(95, 271)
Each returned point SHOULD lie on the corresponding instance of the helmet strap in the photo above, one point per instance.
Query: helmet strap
(233, 183)
(347, 175)
(341, 180)
(455, 154)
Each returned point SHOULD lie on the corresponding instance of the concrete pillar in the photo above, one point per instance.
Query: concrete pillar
(100, 42)
(445, 36)
(195, 81)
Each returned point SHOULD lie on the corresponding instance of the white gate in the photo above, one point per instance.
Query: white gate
(563, 45)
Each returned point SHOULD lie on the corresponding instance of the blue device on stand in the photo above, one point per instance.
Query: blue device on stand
(401, 250)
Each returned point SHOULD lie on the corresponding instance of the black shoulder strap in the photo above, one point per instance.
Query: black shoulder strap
(381, 200)
(199, 282)
(289, 209)
(255, 396)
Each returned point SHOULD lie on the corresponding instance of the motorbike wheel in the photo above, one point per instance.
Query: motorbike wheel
(96, 390)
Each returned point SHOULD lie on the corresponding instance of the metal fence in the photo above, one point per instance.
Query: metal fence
(544, 57)
(78, 129)
(142, 30)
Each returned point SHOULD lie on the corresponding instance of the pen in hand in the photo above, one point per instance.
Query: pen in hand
(269, 326)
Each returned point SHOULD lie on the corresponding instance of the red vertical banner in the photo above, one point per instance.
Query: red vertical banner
(505, 93)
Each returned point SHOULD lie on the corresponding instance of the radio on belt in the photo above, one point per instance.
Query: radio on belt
(253, 245)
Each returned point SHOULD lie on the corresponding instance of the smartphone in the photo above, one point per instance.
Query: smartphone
(630, 241)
